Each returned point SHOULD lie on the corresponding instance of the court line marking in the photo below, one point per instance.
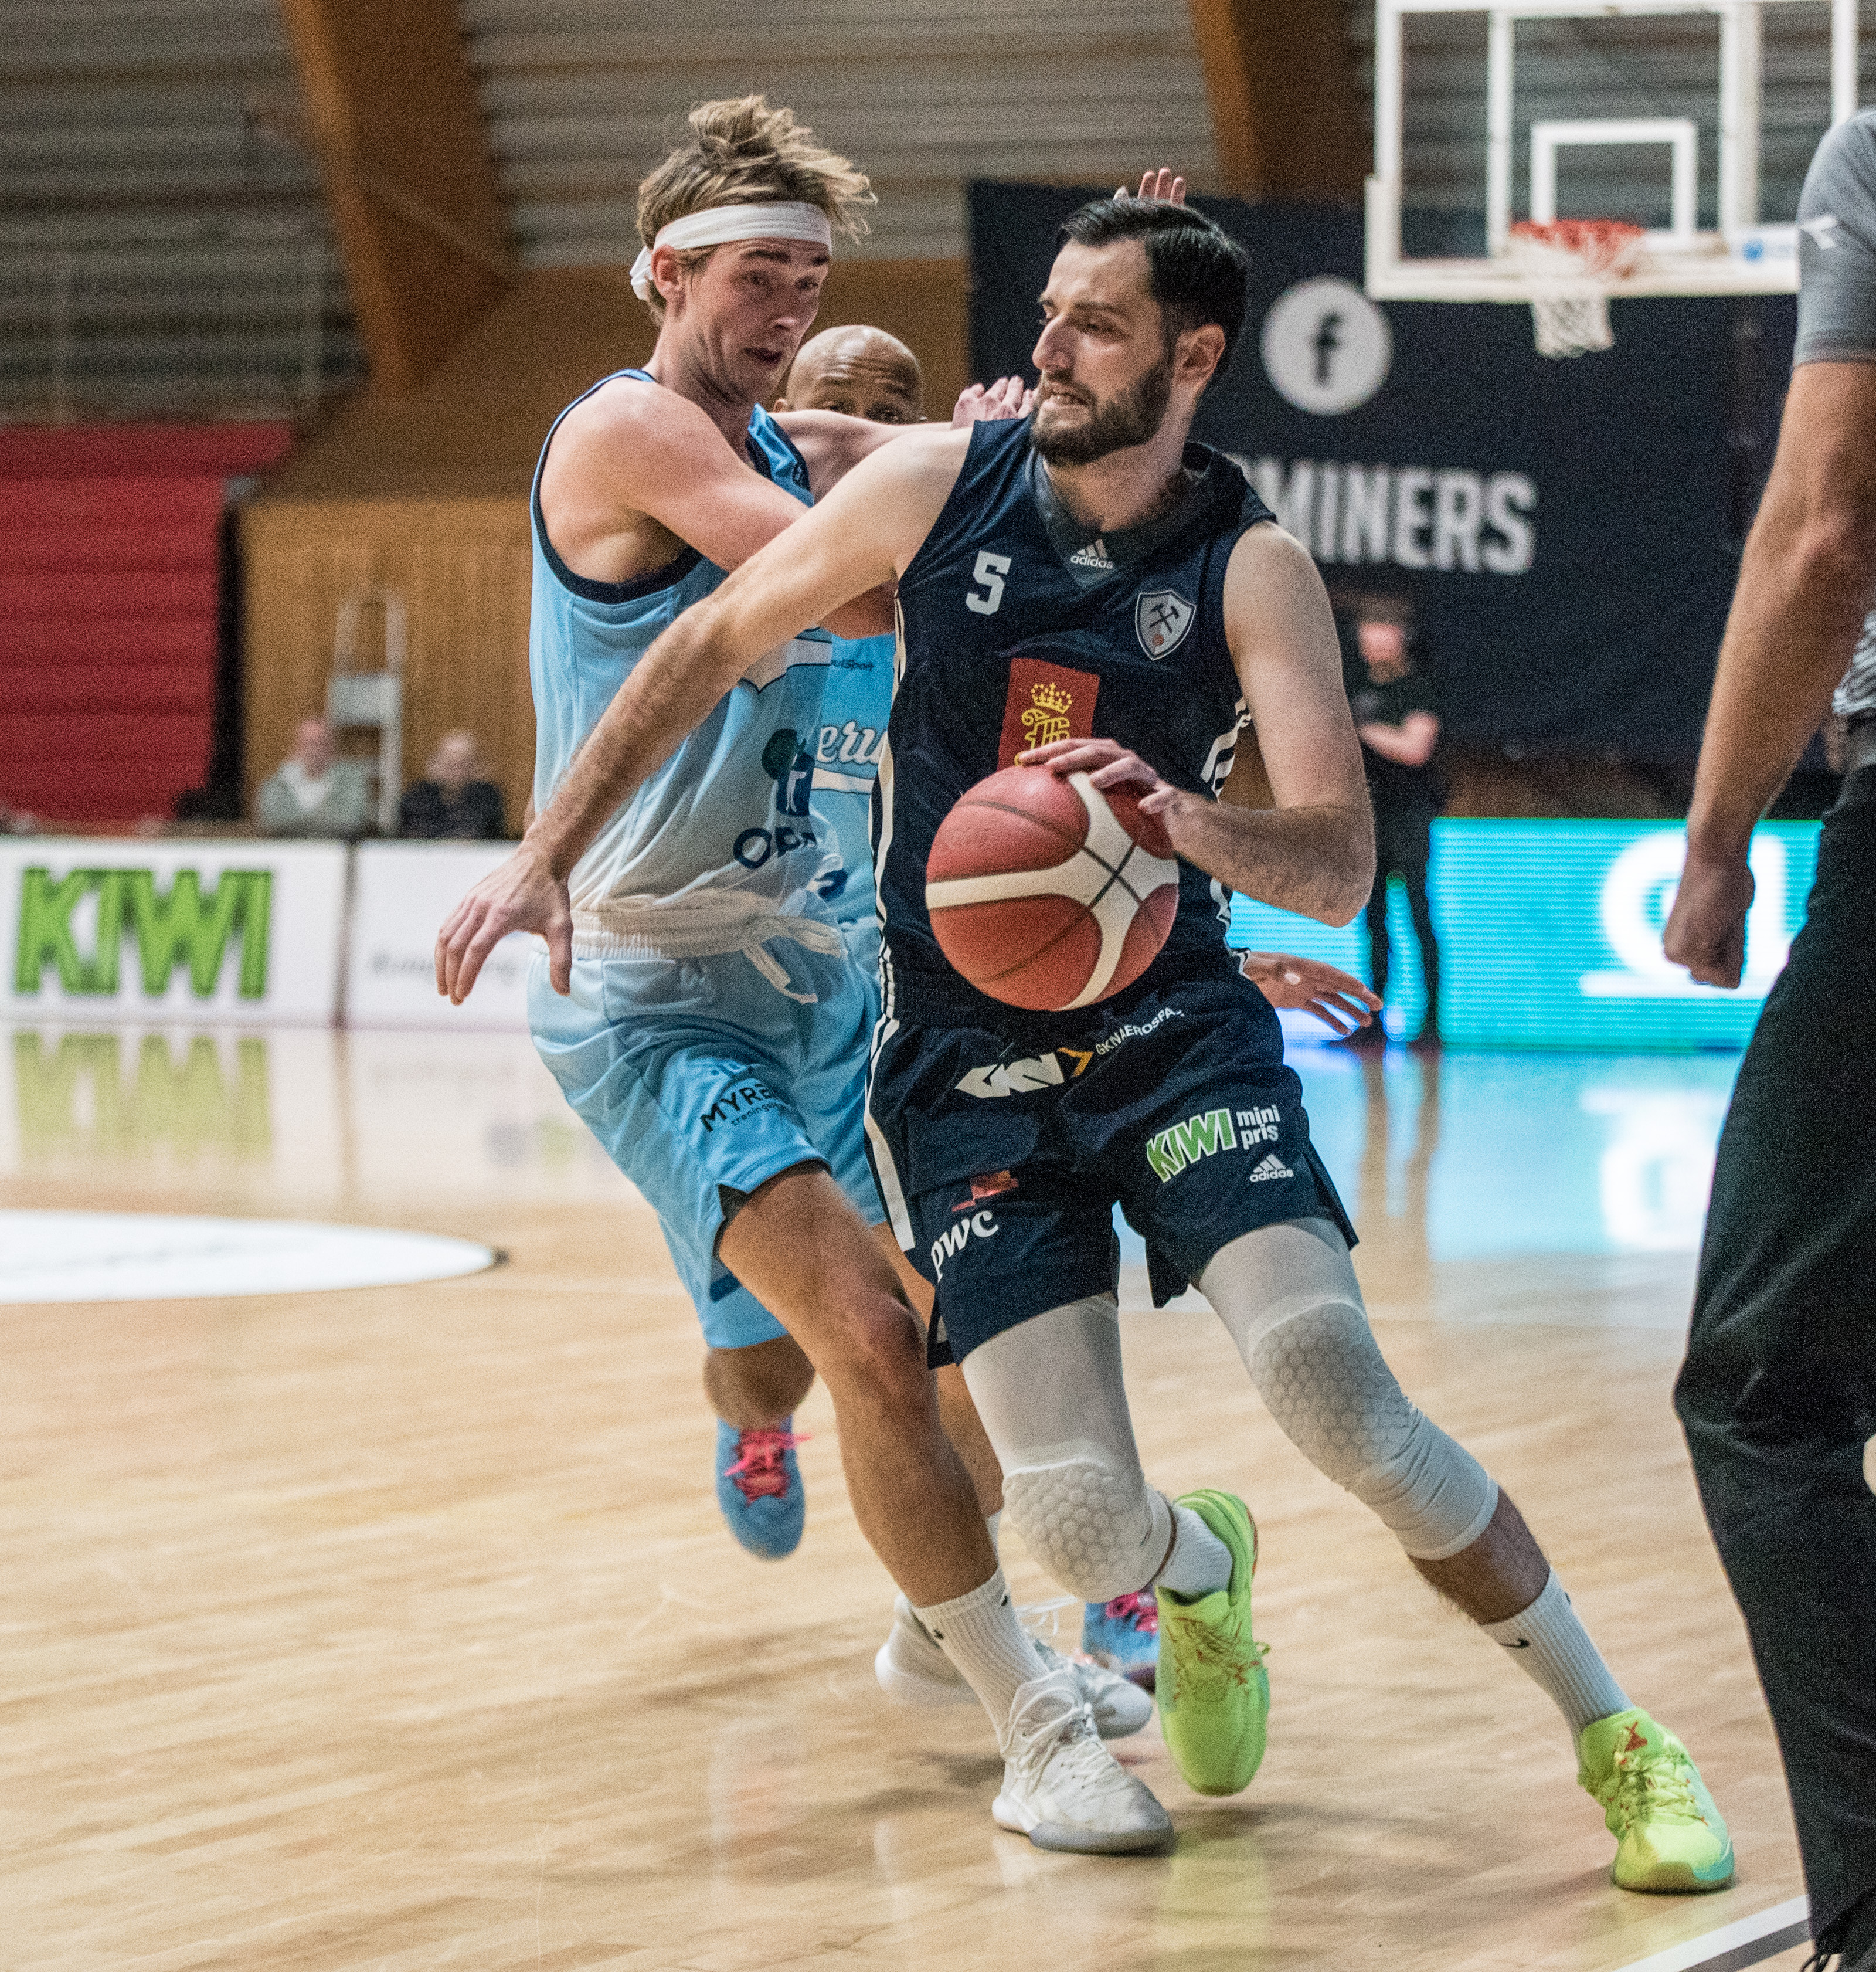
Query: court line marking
(1733, 1947)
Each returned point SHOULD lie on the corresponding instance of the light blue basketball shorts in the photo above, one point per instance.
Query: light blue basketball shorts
(700, 1078)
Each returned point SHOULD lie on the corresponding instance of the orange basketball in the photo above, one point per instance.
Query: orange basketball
(1047, 893)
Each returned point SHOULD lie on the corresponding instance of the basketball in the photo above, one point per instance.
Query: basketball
(1046, 893)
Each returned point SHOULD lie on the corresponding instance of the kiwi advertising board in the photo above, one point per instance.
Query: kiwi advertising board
(226, 932)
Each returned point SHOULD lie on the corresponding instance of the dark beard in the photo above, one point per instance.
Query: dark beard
(1131, 419)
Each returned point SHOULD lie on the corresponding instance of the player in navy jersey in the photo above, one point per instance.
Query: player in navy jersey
(1087, 591)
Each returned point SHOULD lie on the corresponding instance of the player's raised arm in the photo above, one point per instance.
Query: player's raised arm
(862, 535)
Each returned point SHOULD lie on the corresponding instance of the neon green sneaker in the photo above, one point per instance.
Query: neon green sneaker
(1669, 1834)
(1213, 1692)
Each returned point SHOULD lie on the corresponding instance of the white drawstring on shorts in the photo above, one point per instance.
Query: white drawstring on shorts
(703, 924)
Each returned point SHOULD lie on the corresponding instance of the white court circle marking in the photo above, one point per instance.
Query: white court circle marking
(1326, 347)
(93, 1256)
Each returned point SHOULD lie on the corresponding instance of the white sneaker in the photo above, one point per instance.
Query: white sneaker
(913, 1669)
(1061, 1786)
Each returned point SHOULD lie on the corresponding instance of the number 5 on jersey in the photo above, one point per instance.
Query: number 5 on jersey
(990, 571)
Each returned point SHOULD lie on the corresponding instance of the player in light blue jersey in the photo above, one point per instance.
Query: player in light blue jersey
(864, 373)
(697, 1005)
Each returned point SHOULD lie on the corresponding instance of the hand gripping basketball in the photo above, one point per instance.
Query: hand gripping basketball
(1046, 893)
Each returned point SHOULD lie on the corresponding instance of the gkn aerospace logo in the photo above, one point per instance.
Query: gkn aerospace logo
(790, 766)
(1047, 1071)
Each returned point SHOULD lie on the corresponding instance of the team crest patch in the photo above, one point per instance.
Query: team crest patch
(1162, 619)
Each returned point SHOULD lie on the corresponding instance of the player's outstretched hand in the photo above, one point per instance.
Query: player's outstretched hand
(1339, 1000)
(1706, 930)
(1163, 185)
(978, 404)
(523, 895)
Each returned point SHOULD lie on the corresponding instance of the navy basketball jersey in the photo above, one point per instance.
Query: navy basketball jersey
(1018, 627)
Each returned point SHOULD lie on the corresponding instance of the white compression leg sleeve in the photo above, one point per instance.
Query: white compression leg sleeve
(1051, 1397)
(1288, 1294)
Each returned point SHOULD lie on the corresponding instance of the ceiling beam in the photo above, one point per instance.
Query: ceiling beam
(1286, 118)
(391, 111)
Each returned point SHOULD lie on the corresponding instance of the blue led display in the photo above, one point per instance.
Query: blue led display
(1550, 936)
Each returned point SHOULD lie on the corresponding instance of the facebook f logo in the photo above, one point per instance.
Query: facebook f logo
(1326, 347)
(1328, 340)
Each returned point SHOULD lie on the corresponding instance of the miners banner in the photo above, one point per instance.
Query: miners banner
(170, 930)
(1566, 532)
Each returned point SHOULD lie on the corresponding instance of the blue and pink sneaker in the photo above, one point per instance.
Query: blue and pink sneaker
(1124, 1635)
(758, 1486)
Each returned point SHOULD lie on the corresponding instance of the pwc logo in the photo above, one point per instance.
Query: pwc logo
(954, 1239)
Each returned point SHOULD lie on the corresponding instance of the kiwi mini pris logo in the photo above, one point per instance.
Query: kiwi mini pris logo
(75, 925)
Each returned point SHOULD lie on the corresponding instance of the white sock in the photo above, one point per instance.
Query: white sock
(1199, 1562)
(981, 1636)
(1554, 1649)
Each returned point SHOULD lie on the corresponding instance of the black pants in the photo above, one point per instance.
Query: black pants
(1403, 842)
(1778, 1394)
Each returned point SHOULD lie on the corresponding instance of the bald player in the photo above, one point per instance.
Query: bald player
(754, 1386)
(863, 371)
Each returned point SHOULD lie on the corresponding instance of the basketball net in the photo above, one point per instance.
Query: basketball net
(1568, 266)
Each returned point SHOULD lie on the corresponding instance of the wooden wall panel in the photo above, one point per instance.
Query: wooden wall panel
(463, 567)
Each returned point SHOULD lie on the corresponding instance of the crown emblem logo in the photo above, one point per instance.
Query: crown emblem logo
(1047, 718)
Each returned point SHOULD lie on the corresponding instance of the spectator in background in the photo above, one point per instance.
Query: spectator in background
(452, 802)
(1396, 716)
(316, 793)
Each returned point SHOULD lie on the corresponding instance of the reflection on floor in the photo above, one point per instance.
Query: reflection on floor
(339, 1120)
(1466, 1157)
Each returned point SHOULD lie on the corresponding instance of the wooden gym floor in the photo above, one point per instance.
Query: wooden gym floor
(397, 1628)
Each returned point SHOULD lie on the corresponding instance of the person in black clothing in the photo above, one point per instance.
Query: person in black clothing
(1396, 717)
(452, 802)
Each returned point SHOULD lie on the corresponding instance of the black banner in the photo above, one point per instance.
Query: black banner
(1568, 530)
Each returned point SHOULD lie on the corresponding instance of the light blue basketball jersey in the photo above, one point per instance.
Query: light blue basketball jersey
(854, 708)
(730, 810)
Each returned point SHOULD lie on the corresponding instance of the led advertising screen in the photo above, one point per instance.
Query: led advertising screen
(1550, 936)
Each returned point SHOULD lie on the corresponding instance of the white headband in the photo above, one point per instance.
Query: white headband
(718, 225)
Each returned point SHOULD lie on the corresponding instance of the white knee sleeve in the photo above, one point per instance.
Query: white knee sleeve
(1091, 1521)
(1327, 1385)
(1050, 1394)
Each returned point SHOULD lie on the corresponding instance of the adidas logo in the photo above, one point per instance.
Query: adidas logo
(1094, 555)
(1273, 1166)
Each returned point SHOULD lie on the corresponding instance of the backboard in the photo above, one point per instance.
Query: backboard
(1698, 170)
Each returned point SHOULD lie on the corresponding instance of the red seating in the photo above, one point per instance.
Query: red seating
(109, 602)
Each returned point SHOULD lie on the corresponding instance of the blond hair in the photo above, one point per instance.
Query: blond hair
(742, 152)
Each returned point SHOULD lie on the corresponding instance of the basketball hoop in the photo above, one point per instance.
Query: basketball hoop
(1570, 265)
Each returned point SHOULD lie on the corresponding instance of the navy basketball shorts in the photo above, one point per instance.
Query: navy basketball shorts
(1000, 1163)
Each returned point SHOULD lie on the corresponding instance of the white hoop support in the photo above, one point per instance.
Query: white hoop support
(1569, 265)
